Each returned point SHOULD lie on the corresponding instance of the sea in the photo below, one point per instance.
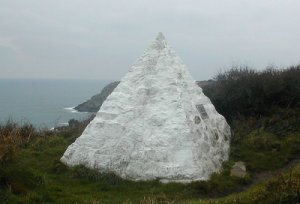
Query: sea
(45, 103)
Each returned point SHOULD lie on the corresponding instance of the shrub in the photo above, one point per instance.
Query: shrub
(242, 91)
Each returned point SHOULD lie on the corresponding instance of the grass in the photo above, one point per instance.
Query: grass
(283, 188)
(266, 143)
(263, 151)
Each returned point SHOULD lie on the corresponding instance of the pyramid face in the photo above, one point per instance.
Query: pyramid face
(156, 124)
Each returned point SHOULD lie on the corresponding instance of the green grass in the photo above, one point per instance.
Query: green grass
(266, 143)
(262, 151)
(283, 188)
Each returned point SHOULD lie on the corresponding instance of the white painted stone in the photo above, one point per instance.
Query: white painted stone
(146, 129)
(238, 169)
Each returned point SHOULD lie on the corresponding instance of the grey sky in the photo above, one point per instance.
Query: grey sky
(102, 39)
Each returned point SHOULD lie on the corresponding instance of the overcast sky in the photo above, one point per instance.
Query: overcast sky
(102, 39)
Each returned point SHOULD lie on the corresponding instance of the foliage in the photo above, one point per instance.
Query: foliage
(242, 91)
(266, 143)
(14, 136)
(284, 189)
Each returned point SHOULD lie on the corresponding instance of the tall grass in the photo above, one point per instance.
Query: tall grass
(12, 136)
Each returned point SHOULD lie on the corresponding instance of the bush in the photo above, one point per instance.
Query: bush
(242, 91)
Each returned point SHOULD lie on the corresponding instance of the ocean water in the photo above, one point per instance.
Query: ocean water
(45, 102)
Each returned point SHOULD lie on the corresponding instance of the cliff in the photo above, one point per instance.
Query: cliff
(94, 103)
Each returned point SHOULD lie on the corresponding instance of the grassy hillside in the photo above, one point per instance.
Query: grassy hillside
(267, 141)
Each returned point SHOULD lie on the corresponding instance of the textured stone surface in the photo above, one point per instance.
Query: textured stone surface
(156, 124)
(238, 170)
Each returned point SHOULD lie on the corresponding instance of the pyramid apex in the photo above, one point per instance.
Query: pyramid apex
(160, 42)
(160, 37)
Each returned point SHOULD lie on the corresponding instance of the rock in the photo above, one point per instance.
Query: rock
(238, 169)
(156, 124)
(94, 103)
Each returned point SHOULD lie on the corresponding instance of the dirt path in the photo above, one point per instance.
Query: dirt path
(263, 176)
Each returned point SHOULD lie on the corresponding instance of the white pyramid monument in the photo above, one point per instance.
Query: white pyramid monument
(156, 124)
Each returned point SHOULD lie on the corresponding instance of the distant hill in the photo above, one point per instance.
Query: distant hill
(94, 103)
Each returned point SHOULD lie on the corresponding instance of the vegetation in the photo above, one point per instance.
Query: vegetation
(243, 92)
(13, 137)
(266, 139)
(266, 143)
(283, 188)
